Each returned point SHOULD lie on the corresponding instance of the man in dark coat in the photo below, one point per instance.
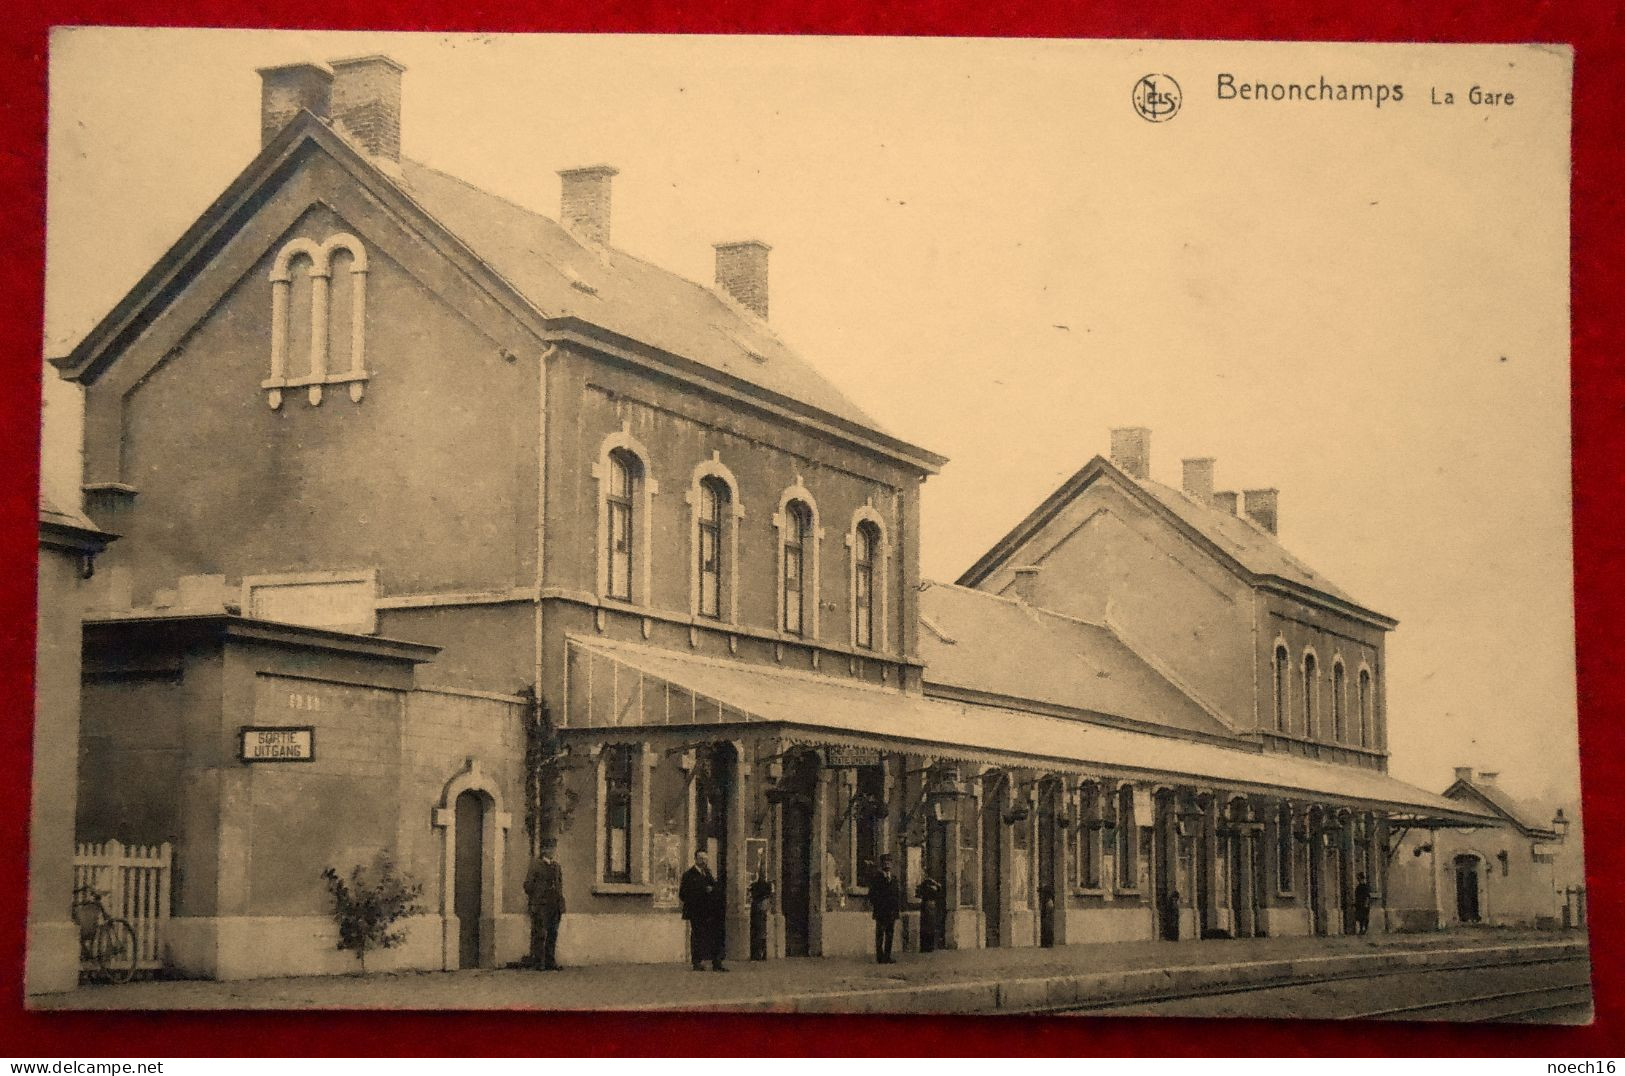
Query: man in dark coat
(703, 903)
(544, 893)
(1362, 906)
(885, 904)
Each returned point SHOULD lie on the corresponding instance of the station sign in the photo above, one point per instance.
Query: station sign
(281, 743)
(839, 757)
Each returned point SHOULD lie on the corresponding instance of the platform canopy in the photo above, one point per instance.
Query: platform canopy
(614, 687)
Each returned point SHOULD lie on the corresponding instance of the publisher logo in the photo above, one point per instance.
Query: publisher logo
(1157, 98)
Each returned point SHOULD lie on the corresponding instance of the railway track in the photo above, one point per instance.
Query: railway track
(1518, 1003)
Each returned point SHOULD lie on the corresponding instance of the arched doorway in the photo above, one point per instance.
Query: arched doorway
(994, 795)
(794, 795)
(468, 901)
(1467, 894)
(473, 837)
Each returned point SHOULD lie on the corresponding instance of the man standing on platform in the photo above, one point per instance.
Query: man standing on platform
(885, 904)
(1362, 906)
(703, 906)
(544, 893)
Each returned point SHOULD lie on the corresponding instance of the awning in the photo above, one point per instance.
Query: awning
(613, 686)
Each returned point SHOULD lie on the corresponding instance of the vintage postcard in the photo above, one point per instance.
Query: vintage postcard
(913, 525)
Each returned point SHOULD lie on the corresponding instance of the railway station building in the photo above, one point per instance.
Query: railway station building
(448, 527)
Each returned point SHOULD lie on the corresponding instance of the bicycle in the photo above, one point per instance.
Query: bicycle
(106, 944)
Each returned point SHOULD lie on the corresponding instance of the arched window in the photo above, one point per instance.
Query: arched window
(1283, 666)
(797, 539)
(713, 512)
(1368, 728)
(1311, 688)
(1128, 835)
(625, 472)
(864, 555)
(1339, 705)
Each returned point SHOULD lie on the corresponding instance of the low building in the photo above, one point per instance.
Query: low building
(68, 545)
(1502, 874)
(529, 539)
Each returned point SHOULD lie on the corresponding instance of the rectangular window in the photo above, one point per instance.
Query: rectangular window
(620, 549)
(710, 569)
(792, 588)
(618, 814)
(864, 590)
(1127, 840)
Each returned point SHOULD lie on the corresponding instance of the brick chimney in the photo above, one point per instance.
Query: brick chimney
(1464, 773)
(1131, 451)
(1199, 480)
(1262, 507)
(367, 103)
(1225, 500)
(287, 90)
(1025, 587)
(742, 273)
(584, 201)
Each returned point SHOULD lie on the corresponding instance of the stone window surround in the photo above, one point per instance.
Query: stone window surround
(640, 849)
(622, 440)
(880, 565)
(714, 468)
(321, 271)
(797, 491)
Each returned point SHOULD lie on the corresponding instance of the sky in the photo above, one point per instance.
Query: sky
(987, 248)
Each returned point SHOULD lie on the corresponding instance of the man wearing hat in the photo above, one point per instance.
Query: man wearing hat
(544, 891)
(885, 904)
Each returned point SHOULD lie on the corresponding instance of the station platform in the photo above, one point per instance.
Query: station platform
(982, 980)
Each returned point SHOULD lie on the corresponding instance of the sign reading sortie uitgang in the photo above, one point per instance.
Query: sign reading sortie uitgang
(285, 743)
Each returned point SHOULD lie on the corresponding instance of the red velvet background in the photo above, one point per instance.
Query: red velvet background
(1597, 30)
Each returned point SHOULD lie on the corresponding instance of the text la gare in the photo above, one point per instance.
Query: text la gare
(1478, 95)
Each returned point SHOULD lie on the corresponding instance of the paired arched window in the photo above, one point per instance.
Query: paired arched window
(797, 562)
(1283, 671)
(1311, 692)
(318, 312)
(1339, 704)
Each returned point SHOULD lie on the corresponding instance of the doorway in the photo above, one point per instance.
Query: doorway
(1467, 906)
(795, 874)
(933, 914)
(1049, 895)
(1317, 871)
(468, 899)
(993, 862)
(1165, 867)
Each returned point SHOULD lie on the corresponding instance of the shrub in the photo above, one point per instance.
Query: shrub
(367, 906)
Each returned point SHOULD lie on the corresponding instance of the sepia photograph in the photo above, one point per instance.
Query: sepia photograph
(806, 525)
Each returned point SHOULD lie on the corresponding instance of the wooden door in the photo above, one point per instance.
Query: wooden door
(795, 885)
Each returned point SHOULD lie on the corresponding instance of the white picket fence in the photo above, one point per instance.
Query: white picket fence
(134, 883)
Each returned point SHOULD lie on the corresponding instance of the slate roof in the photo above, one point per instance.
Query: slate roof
(1259, 551)
(563, 276)
(50, 512)
(1003, 647)
(1523, 814)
